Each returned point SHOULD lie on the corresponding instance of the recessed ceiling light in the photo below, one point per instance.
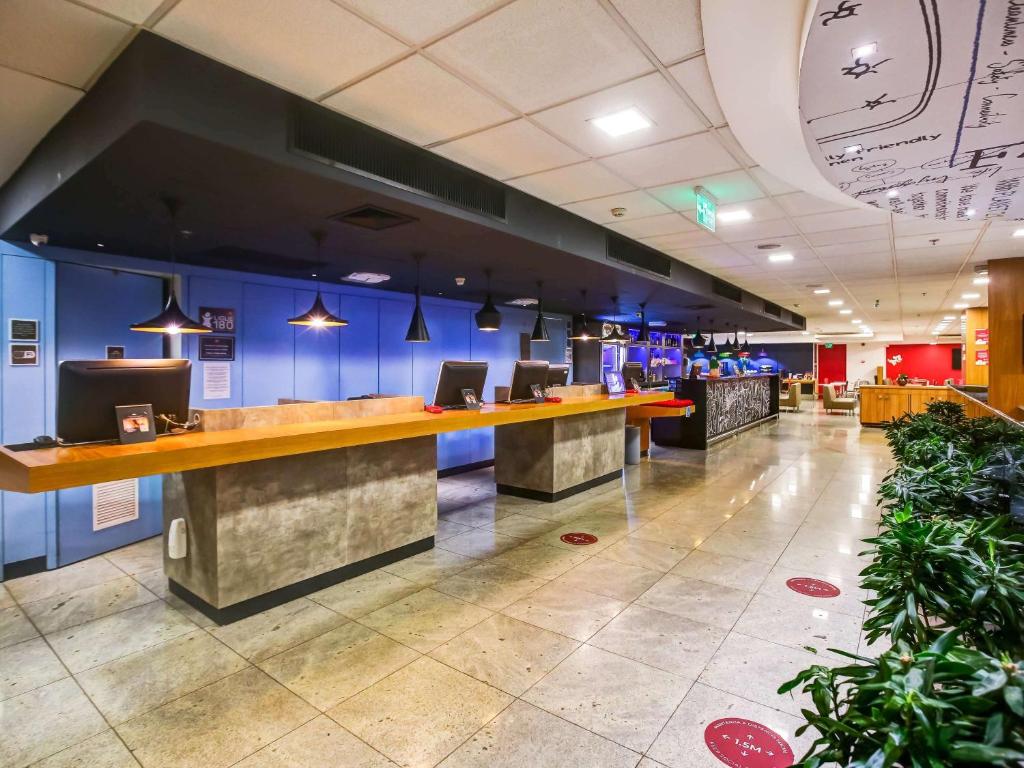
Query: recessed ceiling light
(845, 311)
(729, 217)
(960, 306)
(1018, 233)
(100, 245)
(852, 148)
(783, 256)
(856, 321)
(868, 49)
(981, 281)
(822, 291)
(970, 212)
(805, 333)
(893, 193)
(947, 318)
(367, 278)
(622, 122)
(835, 302)
(970, 295)
(525, 302)
(657, 323)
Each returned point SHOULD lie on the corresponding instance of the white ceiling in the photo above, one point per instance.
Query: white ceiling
(509, 87)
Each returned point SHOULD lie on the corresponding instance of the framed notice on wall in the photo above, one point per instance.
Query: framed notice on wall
(216, 348)
(24, 330)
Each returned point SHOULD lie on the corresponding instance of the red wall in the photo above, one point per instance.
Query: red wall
(923, 361)
(831, 364)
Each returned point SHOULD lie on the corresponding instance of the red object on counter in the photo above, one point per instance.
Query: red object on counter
(433, 409)
(674, 403)
(631, 392)
(552, 399)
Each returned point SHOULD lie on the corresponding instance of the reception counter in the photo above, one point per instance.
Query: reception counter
(724, 407)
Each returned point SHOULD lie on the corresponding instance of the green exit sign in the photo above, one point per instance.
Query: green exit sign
(828, 345)
(706, 208)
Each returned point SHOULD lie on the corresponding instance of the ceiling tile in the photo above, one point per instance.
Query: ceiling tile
(420, 102)
(305, 46)
(912, 225)
(803, 204)
(846, 250)
(535, 53)
(665, 224)
(687, 158)
(728, 188)
(418, 21)
(755, 230)
(714, 256)
(513, 149)
(693, 239)
(763, 209)
(851, 235)
(727, 137)
(571, 183)
(638, 204)
(132, 11)
(693, 75)
(57, 40)
(794, 244)
(774, 185)
(671, 28)
(650, 94)
(819, 222)
(30, 107)
(961, 237)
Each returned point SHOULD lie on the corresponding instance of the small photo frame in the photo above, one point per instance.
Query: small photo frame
(470, 399)
(24, 354)
(135, 423)
(538, 393)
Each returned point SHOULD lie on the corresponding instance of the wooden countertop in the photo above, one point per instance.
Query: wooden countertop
(897, 387)
(49, 469)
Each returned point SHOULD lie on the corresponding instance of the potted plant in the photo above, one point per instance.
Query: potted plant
(713, 368)
(902, 379)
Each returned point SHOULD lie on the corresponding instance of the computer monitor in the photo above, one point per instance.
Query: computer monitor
(455, 376)
(88, 391)
(558, 375)
(631, 372)
(524, 374)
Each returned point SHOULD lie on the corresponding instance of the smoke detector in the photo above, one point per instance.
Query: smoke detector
(618, 213)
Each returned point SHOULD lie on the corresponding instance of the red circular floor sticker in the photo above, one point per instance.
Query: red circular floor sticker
(746, 744)
(813, 587)
(579, 538)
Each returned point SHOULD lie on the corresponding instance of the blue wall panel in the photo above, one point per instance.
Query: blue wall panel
(395, 361)
(268, 344)
(359, 345)
(317, 352)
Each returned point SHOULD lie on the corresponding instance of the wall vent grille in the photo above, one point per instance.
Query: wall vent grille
(772, 309)
(626, 251)
(115, 503)
(726, 290)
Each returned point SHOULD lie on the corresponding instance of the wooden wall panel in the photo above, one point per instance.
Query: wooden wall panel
(977, 375)
(1006, 339)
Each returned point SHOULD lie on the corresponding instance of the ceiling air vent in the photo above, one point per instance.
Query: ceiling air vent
(698, 307)
(726, 290)
(772, 309)
(328, 137)
(798, 320)
(372, 217)
(626, 251)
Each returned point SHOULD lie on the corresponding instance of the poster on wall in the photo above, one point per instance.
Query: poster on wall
(24, 330)
(24, 354)
(981, 337)
(981, 357)
(218, 319)
(216, 348)
(115, 352)
(216, 381)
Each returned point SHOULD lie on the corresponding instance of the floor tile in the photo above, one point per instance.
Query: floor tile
(565, 610)
(134, 684)
(27, 666)
(142, 556)
(798, 626)
(89, 645)
(269, 633)
(692, 599)
(44, 721)
(539, 559)
(506, 653)
(746, 547)
(524, 736)
(53, 614)
(218, 725)
(430, 567)
(849, 600)
(522, 526)
(610, 578)
(15, 627)
(328, 669)
(684, 537)
(420, 714)
(723, 570)
(654, 555)
(490, 585)
(822, 563)
(480, 543)
(425, 619)
(663, 640)
(365, 594)
(446, 529)
(6, 601)
(620, 699)
(105, 750)
(318, 743)
(70, 578)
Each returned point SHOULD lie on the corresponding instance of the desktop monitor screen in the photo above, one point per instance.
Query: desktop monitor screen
(614, 382)
(89, 390)
(524, 374)
(455, 376)
(631, 371)
(558, 375)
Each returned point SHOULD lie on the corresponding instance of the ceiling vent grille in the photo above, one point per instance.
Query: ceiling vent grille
(334, 139)
(626, 251)
(798, 320)
(372, 217)
(772, 309)
(726, 290)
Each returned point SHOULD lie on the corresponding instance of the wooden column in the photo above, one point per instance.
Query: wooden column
(1006, 336)
(977, 319)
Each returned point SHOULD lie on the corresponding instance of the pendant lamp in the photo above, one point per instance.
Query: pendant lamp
(540, 329)
(172, 320)
(745, 347)
(698, 340)
(580, 328)
(616, 336)
(687, 341)
(318, 316)
(726, 349)
(711, 348)
(417, 325)
(644, 337)
(488, 318)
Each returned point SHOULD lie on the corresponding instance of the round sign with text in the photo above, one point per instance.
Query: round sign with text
(579, 538)
(746, 744)
(813, 587)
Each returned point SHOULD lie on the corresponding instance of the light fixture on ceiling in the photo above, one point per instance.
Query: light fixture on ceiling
(893, 193)
(580, 327)
(622, 122)
(970, 212)
(657, 323)
(644, 336)
(699, 342)
(947, 318)
(488, 318)
(868, 49)
(822, 291)
(417, 332)
(835, 302)
(1018, 233)
(731, 217)
(961, 306)
(778, 258)
(172, 320)
(983, 280)
(540, 329)
(318, 316)
(727, 347)
(526, 301)
(100, 245)
(845, 311)
(615, 335)
(367, 278)
(856, 321)
(971, 295)
(853, 148)
(711, 348)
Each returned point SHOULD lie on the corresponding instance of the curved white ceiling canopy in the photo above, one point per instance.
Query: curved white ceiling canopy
(753, 52)
(917, 106)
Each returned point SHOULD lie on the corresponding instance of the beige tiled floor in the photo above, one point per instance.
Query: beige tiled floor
(503, 646)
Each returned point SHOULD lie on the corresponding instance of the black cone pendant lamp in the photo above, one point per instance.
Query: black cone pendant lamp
(318, 316)
(580, 328)
(488, 318)
(711, 348)
(540, 329)
(727, 348)
(615, 336)
(745, 347)
(172, 320)
(645, 336)
(417, 325)
(698, 340)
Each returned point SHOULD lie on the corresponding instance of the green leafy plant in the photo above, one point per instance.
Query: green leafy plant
(945, 705)
(937, 487)
(947, 413)
(999, 485)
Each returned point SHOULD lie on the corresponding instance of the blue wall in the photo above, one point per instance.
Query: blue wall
(272, 359)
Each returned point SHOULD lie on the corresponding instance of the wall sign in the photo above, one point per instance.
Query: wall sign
(24, 330)
(216, 348)
(115, 352)
(981, 357)
(216, 381)
(981, 337)
(218, 319)
(24, 354)
(813, 587)
(746, 744)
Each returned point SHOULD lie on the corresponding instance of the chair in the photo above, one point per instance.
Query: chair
(832, 402)
(791, 398)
